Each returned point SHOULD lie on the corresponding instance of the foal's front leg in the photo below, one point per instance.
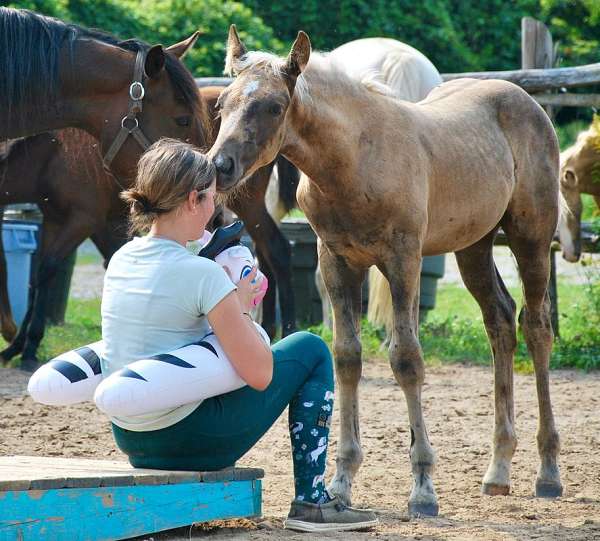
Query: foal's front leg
(344, 287)
(406, 359)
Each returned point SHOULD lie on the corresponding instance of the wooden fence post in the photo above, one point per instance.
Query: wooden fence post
(537, 52)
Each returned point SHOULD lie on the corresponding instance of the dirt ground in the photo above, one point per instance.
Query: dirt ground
(459, 411)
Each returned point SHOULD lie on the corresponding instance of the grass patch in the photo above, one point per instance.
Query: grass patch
(454, 331)
(82, 326)
(88, 258)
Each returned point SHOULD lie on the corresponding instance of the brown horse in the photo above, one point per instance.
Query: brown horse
(389, 181)
(62, 172)
(579, 173)
(124, 93)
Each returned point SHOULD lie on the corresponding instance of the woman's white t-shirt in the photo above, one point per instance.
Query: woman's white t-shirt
(155, 299)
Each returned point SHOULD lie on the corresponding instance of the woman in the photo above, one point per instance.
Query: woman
(158, 297)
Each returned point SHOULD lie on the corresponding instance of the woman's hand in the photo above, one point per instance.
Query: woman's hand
(250, 356)
(246, 290)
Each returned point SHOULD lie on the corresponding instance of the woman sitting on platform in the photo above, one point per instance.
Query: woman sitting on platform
(158, 297)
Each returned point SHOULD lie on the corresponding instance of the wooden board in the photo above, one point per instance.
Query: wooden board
(44, 473)
(84, 499)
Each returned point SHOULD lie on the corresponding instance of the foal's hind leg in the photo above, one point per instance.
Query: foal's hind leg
(533, 259)
(406, 359)
(498, 308)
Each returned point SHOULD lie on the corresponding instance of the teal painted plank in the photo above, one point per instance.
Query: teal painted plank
(109, 513)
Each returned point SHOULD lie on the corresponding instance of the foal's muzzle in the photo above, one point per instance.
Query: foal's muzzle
(228, 170)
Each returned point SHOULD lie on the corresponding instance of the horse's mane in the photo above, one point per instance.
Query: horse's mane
(30, 45)
(318, 64)
(587, 139)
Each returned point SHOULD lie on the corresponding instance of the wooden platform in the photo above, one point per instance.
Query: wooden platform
(66, 499)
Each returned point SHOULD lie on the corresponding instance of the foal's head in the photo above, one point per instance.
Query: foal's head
(253, 109)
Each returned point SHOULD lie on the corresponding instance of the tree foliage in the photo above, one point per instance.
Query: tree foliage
(457, 35)
(167, 22)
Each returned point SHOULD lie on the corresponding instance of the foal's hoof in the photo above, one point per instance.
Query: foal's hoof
(492, 489)
(548, 489)
(341, 488)
(423, 509)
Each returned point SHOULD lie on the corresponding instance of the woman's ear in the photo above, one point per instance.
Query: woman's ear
(192, 201)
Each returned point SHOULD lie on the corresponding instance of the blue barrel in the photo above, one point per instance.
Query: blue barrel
(19, 246)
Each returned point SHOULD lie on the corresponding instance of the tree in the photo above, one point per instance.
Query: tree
(167, 22)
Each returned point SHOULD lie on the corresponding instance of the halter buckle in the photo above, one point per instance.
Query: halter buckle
(133, 119)
(139, 87)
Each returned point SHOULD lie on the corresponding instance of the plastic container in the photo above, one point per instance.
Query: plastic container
(304, 262)
(19, 246)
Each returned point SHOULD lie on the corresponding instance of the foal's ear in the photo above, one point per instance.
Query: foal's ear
(155, 61)
(298, 58)
(181, 49)
(235, 50)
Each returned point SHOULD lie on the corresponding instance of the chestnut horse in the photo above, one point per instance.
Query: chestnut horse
(62, 173)
(388, 181)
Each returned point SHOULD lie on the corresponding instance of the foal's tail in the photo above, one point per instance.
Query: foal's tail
(381, 310)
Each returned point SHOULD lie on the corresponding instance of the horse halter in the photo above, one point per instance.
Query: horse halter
(130, 124)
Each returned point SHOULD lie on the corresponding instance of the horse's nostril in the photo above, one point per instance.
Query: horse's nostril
(224, 164)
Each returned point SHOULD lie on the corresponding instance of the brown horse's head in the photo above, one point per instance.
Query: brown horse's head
(171, 106)
(254, 107)
(57, 75)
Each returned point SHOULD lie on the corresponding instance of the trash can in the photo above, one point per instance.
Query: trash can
(59, 285)
(432, 269)
(303, 242)
(304, 262)
(20, 244)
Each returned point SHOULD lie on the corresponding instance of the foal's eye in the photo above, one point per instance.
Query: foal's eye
(183, 121)
(275, 109)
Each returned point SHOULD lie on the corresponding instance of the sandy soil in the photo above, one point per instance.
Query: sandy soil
(459, 412)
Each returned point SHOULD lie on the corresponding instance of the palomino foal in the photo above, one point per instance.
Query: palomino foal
(389, 181)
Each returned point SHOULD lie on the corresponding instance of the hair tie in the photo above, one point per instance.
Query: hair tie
(147, 207)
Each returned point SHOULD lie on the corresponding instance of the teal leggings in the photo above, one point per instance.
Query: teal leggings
(224, 428)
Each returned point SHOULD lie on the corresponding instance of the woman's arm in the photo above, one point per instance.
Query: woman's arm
(249, 354)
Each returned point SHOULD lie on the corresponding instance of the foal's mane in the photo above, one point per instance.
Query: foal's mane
(319, 67)
(29, 62)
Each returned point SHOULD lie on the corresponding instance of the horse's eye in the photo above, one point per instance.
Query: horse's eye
(183, 121)
(275, 109)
